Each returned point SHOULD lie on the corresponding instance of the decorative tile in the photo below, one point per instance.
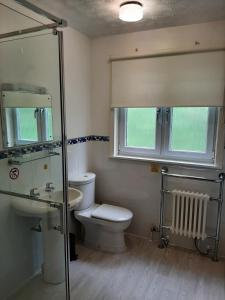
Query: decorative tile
(19, 151)
(99, 138)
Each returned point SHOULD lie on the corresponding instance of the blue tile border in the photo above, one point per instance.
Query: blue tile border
(84, 139)
(18, 151)
(100, 138)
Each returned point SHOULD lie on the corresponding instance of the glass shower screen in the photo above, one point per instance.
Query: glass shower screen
(32, 231)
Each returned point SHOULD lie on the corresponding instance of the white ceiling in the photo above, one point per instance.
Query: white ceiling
(100, 17)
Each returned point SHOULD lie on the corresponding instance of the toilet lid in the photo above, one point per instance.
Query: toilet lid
(112, 213)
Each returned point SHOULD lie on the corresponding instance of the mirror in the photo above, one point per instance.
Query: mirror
(26, 118)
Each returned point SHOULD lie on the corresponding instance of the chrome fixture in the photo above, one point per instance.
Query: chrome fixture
(219, 200)
(33, 193)
(49, 187)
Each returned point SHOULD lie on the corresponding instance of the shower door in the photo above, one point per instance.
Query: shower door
(33, 231)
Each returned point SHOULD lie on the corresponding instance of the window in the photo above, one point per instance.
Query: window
(32, 125)
(26, 125)
(178, 133)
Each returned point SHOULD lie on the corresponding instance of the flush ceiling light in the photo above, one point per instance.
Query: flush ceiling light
(131, 11)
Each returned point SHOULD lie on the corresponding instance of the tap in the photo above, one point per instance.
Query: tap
(49, 187)
(33, 193)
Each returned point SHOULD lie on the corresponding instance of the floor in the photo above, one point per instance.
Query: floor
(144, 272)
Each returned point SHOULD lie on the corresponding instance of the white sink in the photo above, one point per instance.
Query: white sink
(53, 240)
(32, 208)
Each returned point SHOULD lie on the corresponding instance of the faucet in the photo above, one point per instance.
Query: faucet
(33, 193)
(49, 187)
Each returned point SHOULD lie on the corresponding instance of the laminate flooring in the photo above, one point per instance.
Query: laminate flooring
(143, 272)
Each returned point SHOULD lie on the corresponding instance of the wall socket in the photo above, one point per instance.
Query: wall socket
(154, 233)
(154, 167)
(154, 228)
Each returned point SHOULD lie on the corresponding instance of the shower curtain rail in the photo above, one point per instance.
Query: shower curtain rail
(219, 200)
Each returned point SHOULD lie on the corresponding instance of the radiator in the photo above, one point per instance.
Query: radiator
(189, 212)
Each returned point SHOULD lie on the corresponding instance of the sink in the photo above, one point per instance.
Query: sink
(31, 208)
(75, 197)
(53, 269)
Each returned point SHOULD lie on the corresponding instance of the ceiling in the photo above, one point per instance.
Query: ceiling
(100, 17)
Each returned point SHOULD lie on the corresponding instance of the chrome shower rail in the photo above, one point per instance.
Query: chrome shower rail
(219, 200)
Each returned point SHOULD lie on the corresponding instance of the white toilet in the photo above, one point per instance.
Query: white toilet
(104, 224)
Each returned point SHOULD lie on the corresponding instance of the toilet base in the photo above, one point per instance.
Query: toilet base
(101, 238)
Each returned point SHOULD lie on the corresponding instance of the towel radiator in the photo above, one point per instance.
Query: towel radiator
(189, 210)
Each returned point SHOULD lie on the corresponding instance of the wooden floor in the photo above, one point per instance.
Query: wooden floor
(144, 272)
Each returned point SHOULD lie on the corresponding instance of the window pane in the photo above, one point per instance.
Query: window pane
(141, 127)
(189, 127)
(27, 124)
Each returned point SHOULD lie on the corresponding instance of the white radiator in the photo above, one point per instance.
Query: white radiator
(189, 214)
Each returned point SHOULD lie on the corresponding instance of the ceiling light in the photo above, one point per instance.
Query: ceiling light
(131, 11)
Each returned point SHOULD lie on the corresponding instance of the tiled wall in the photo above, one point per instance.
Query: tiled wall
(18, 151)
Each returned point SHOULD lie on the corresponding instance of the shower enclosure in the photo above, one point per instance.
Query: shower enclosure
(33, 165)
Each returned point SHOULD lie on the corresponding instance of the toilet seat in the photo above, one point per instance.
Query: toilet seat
(112, 213)
(103, 213)
(104, 226)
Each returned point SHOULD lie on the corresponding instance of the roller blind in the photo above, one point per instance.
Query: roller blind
(195, 79)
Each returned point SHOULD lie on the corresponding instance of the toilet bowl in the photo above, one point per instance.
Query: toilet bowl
(104, 224)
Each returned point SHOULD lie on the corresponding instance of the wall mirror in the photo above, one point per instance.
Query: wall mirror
(26, 118)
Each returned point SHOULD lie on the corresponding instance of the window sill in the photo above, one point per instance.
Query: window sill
(168, 162)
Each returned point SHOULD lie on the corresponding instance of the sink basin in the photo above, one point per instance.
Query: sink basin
(75, 197)
(31, 208)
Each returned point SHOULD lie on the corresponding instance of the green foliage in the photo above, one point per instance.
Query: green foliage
(189, 129)
(189, 126)
(27, 124)
(141, 127)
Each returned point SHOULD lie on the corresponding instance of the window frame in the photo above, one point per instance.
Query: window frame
(41, 116)
(17, 133)
(125, 150)
(162, 151)
(208, 156)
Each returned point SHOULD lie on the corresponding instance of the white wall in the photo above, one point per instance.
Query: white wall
(77, 59)
(128, 183)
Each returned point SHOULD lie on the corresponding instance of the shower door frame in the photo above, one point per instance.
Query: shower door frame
(57, 22)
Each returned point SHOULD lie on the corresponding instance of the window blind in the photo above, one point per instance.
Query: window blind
(195, 79)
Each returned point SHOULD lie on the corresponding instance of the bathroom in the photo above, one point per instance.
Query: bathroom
(77, 67)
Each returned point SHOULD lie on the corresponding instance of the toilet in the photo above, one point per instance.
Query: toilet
(104, 224)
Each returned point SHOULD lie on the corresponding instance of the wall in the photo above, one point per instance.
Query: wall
(77, 59)
(129, 183)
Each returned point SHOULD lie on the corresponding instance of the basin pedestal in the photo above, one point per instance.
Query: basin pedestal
(53, 252)
(53, 269)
